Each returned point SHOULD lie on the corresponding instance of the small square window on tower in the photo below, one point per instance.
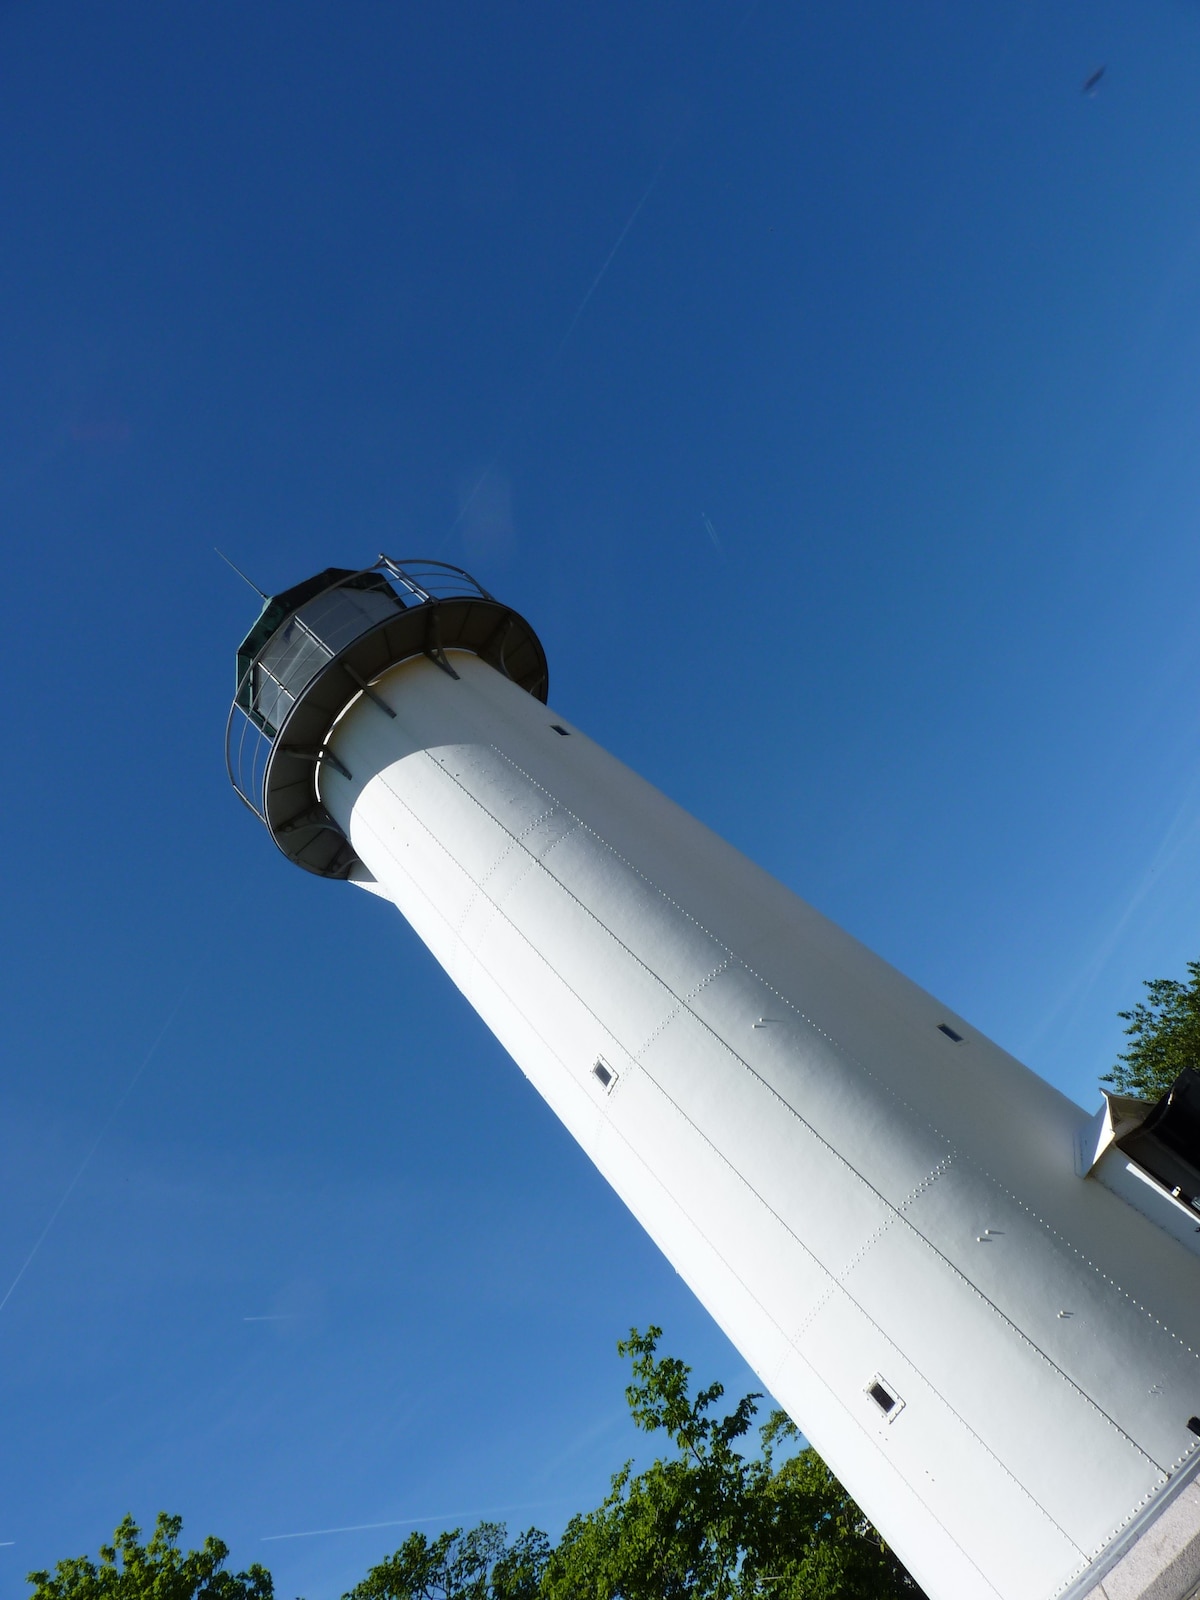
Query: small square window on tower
(604, 1074)
(885, 1397)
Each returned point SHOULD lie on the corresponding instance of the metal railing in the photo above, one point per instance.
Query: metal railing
(307, 639)
(432, 580)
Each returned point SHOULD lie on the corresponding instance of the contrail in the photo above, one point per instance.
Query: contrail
(410, 1522)
(83, 1165)
(1179, 834)
(608, 261)
(562, 345)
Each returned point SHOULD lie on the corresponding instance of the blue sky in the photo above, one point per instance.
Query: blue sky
(854, 498)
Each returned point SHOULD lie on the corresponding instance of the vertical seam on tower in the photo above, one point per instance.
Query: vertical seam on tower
(514, 842)
(838, 1281)
(681, 1002)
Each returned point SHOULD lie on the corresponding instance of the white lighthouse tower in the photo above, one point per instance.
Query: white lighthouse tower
(980, 1304)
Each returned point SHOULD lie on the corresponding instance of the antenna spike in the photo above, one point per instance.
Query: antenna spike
(262, 594)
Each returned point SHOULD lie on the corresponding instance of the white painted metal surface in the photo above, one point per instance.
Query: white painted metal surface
(857, 1198)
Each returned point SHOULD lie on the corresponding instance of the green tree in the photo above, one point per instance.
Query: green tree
(155, 1571)
(709, 1524)
(1165, 1030)
(477, 1565)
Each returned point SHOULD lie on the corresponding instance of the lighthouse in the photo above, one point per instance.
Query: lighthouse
(978, 1301)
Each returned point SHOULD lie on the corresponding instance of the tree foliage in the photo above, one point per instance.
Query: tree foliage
(1165, 1030)
(477, 1565)
(159, 1570)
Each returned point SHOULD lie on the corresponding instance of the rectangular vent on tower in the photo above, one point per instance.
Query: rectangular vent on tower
(944, 1027)
(1194, 1424)
(890, 1404)
(605, 1074)
(558, 728)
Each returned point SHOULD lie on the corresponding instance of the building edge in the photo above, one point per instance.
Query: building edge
(1158, 1558)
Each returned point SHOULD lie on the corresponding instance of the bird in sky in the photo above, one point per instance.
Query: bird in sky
(1092, 82)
